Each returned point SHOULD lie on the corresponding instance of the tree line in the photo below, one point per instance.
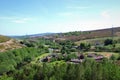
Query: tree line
(88, 70)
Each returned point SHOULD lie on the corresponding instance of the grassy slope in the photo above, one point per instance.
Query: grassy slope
(105, 54)
(40, 57)
(92, 41)
(100, 33)
(4, 38)
(7, 43)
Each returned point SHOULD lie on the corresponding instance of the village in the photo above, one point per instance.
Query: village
(72, 58)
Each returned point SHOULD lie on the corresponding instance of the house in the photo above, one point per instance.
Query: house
(76, 60)
(91, 55)
(49, 57)
(79, 59)
(95, 56)
(44, 60)
(100, 57)
(81, 56)
(56, 50)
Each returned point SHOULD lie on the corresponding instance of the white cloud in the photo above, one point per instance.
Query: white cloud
(65, 14)
(24, 20)
(77, 7)
(15, 19)
(82, 25)
(106, 14)
(7, 18)
(69, 15)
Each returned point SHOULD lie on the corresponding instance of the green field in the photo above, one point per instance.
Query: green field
(39, 57)
(93, 41)
(105, 54)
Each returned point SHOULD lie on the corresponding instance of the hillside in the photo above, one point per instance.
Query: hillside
(32, 35)
(109, 32)
(77, 35)
(44, 57)
(7, 43)
(4, 38)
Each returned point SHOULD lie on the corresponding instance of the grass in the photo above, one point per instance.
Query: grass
(4, 38)
(105, 54)
(2, 47)
(58, 62)
(117, 45)
(93, 41)
(39, 57)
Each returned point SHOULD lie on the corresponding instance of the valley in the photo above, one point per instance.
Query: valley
(56, 56)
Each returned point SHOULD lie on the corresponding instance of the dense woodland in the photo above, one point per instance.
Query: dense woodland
(88, 70)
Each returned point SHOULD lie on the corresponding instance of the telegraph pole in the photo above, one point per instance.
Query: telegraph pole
(112, 32)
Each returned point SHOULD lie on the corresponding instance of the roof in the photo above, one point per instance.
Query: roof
(76, 60)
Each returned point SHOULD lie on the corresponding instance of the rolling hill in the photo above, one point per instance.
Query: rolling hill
(4, 38)
(77, 35)
(7, 43)
(109, 32)
(32, 35)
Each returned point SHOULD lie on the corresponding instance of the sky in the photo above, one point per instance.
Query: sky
(23, 17)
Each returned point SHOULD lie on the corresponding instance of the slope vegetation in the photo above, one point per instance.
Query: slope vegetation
(7, 43)
(109, 32)
(4, 38)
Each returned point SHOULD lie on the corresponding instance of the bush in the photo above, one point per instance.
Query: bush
(108, 42)
(84, 46)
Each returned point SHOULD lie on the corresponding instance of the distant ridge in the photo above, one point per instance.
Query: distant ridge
(105, 29)
(33, 35)
(100, 33)
(107, 32)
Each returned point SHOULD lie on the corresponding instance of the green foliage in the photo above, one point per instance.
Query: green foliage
(67, 46)
(17, 65)
(70, 56)
(113, 57)
(75, 33)
(84, 46)
(4, 38)
(5, 77)
(108, 48)
(108, 42)
(12, 59)
(88, 70)
(64, 50)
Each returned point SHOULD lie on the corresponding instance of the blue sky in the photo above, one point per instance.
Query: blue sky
(21, 17)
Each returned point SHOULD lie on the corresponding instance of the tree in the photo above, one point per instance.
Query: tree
(5, 77)
(63, 50)
(113, 57)
(82, 46)
(108, 42)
